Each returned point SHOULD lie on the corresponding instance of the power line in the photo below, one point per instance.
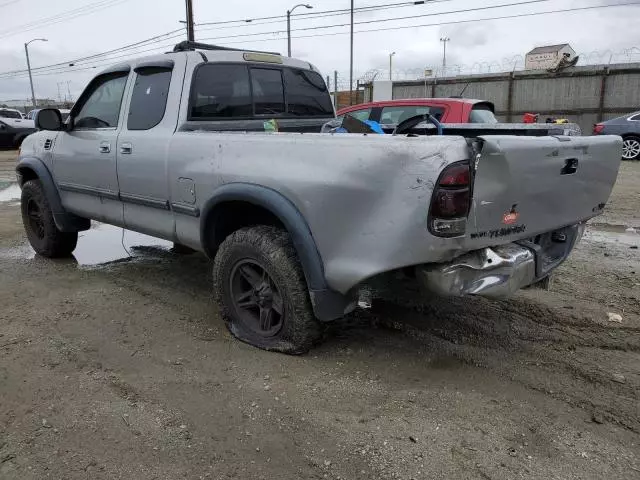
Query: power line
(370, 7)
(453, 22)
(315, 15)
(319, 14)
(381, 20)
(166, 36)
(141, 43)
(61, 17)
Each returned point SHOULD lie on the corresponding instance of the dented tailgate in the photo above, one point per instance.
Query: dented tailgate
(525, 186)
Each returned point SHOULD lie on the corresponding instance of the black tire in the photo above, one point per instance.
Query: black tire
(295, 329)
(43, 235)
(631, 147)
(18, 141)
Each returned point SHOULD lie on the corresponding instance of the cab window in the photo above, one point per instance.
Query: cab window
(398, 114)
(361, 115)
(101, 108)
(149, 98)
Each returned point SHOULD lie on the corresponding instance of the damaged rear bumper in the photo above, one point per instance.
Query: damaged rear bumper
(502, 270)
(492, 272)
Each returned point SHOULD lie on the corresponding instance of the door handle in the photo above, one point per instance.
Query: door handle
(126, 148)
(105, 147)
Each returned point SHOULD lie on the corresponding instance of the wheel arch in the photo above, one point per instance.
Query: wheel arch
(278, 207)
(280, 211)
(31, 168)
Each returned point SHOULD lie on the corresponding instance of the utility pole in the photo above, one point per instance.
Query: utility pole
(335, 89)
(391, 65)
(190, 30)
(289, 12)
(26, 51)
(351, 60)
(59, 96)
(444, 41)
(69, 90)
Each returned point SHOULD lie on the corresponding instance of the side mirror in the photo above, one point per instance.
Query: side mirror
(48, 119)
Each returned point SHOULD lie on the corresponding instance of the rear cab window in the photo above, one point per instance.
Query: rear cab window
(237, 91)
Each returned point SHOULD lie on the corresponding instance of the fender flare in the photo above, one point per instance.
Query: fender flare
(65, 221)
(327, 304)
(286, 212)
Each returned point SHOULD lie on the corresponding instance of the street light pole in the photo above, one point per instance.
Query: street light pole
(289, 12)
(391, 64)
(351, 60)
(444, 41)
(26, 51)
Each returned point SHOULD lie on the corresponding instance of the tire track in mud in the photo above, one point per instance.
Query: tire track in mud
(561, 354)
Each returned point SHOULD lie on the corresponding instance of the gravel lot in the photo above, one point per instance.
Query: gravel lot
(118, 367)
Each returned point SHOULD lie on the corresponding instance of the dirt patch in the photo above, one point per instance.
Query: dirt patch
(124, 370)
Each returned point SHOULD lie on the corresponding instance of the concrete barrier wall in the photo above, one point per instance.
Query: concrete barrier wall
(584, 95)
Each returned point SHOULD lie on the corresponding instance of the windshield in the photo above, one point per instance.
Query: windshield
(9, 114)
(482, 114)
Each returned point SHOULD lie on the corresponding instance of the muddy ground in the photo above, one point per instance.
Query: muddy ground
(123, 370)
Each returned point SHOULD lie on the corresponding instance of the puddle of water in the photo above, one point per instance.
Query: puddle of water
(103, 244)
(9, 192)
(607, 227)
(620, 235)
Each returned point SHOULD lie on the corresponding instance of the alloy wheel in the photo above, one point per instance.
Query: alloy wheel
(256, 298)
(630, 149)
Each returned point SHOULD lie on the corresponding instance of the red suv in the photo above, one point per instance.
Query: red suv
(390, 113)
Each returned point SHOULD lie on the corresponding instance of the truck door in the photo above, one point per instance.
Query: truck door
(142, 149)
(84, 156)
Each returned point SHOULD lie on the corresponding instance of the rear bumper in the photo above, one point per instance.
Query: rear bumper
(492, 272)
(501, 271)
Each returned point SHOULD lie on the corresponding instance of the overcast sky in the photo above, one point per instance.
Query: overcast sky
(115, 23)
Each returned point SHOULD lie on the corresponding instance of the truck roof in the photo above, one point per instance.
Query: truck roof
(213, 54)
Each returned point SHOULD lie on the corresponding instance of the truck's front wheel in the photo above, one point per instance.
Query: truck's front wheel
(43, 235)
(262, 293)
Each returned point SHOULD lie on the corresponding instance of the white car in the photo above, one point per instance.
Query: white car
(11, 113)
(63, 111)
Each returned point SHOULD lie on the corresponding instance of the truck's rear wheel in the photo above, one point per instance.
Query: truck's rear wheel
(43, 235)
(262, 293)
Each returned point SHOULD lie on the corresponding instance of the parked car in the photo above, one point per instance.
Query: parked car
(63, 112)
(390, 113)
(628, 127)
(178, 146)
(13, 131)
(11, 113)
(461, 116)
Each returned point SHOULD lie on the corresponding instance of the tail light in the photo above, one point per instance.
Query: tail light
(598, 128)
(451, 201)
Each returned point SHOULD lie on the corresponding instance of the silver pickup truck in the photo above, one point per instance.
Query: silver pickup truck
(180, 146)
